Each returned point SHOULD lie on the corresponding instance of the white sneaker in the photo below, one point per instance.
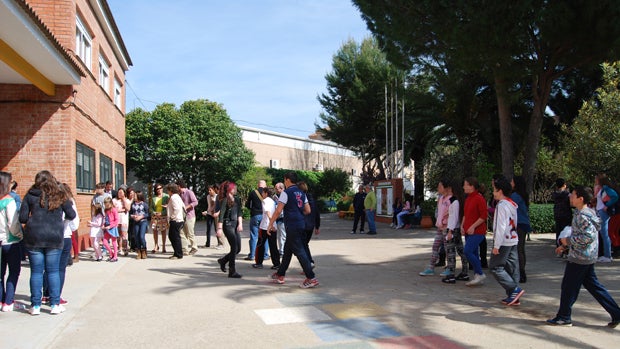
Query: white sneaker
(35, 310)
(57, 309)
(7, 307)
(478, 280)
(603, 259)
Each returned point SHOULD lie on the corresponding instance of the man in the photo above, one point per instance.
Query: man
(254, 203)
(109, 190)
(280, 222)
(188, 238)
(294, 203)
(358, 207)
(370, 204)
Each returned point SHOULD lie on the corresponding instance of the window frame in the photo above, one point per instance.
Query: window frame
(84, 178)
(83, 43)
(118, 92)
(105, 168)
(119, 181)
(104, 74)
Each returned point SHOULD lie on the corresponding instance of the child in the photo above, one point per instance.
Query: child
(95, 224)
(562, 213)
(583, 251)
(110, 229)
(443, 204)
(454, 241)
(504, 257)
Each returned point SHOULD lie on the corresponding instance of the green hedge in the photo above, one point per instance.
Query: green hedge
(541, 218)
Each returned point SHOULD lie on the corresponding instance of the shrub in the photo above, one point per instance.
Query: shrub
(541, 218)
(428, 207)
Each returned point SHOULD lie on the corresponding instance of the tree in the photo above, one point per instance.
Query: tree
(198, 143)
(354, 105)
(592, 143)
(535, 41)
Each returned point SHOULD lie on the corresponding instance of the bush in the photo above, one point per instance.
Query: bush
(541, 218)
(428, 207)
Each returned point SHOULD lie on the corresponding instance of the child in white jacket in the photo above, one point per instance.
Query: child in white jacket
(504, 263)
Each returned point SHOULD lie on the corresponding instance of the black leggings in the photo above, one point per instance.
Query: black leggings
(231, 236)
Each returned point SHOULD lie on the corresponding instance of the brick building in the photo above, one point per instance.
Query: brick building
(62, 94)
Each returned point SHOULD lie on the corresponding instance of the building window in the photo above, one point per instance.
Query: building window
(83, 43)
(85, 168)
(105, 168)
(119, 174)
(104, 74)
(117, 93)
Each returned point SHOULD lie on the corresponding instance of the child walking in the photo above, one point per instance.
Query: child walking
(504, 263)
(454, 240)
(110, 229)
(96, 234)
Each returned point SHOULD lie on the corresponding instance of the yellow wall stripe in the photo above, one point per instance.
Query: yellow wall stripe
(25, 69)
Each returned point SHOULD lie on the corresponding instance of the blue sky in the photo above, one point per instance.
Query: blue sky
(264, 60)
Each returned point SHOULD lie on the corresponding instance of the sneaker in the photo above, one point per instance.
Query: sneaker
(309, 283)
(603, 259)
(515, 295)
(478, 280)
(275, 267)
(219, 247)
(192, 251)
(63, 301)
(35, 310)
(613, 324)
(446, 272)
(257, 266)
(462, 277)
(557, 321)
(352, 232)
(449, 279)
(277, 278)
(362, 232)
(45, 300)
(57, 309)
(7, 307)
(427, 272)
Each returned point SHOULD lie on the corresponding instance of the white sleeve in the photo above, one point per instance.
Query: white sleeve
(453, 215)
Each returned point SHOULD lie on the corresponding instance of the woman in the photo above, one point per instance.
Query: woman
(159, 217)
(123, 205)
(10, 236)
(522, 199)
(175, 217)
(211, 199)
(474, 226)
(131, 196)
(606, 198)
(139, 214)
(397, 207)
(42, 211)
(313, 221)
(230, 222)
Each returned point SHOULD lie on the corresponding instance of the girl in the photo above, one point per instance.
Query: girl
(159, 217)
(606, 198)
(454, 241)
(110, 230)
(96, 224)
(522, 199)
(42, 212)
(443, 204)
(267, 234)
(10, 236)
(139, 213)
(474, 226)
(230, 222)
(122, 205)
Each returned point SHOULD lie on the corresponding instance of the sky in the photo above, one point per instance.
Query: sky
(265, 61)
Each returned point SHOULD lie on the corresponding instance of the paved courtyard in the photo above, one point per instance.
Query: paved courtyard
(370, 296)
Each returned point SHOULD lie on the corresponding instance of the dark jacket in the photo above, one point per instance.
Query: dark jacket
(254, 204)
(44, 228)
(561, 205)
(313, 220)
(358, 201)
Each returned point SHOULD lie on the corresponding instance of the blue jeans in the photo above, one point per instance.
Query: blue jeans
(472, 243)
(62, 267)
(11, 257)
(576, 275)
(604, 233)
(505, 267)
(294, 245)
(48, 260)
(370, 217)
(139, 229)
(254, 224)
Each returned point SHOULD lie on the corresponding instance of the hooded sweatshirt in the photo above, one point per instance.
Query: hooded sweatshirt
(505, 224)
(44, 228)
(584, 237)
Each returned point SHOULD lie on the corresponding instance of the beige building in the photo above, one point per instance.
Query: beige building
(277, 150)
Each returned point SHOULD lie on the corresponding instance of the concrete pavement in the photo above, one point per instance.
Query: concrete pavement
(370, 296)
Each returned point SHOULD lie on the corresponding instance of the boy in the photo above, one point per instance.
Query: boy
(504, 263)
(582, 248)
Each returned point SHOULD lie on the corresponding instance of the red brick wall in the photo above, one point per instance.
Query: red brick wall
(41, 130)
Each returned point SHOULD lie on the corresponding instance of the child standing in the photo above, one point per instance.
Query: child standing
(110, 229)
(454, 241)
(96, 234)
(504, 257)
(583, 250)
(443, 205)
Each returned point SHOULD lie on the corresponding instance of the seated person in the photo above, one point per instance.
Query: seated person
(397, 207)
